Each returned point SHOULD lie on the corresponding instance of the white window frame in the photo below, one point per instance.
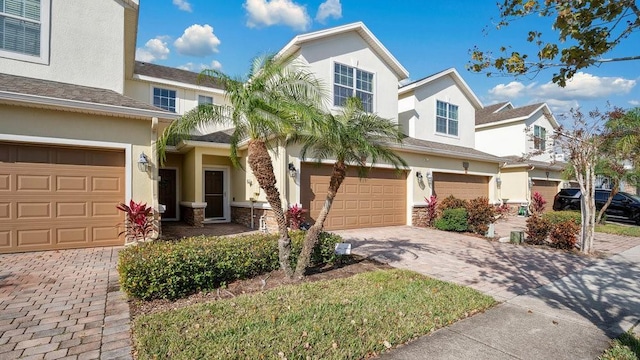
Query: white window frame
(447, 119)
(154, 87)
(540, 141)
(45, 30)
(206, 96)
(353, 87)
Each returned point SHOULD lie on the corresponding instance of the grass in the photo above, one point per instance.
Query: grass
(626, 347)
(617, 229)
(348, 318)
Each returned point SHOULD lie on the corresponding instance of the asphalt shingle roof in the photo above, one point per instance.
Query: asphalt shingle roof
(518, 160)
(174, 74)
(221, 137)
(436, 147)
(58, 90)
(488, 114)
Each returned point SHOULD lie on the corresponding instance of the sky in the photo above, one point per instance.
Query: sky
(425, 36)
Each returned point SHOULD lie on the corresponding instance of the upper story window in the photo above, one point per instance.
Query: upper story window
(205, 100)
(24, 30)
(164, 98)
(446, 118)
(349, 82)
(539, 138)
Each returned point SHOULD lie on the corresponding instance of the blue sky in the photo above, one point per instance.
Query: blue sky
(425, 36)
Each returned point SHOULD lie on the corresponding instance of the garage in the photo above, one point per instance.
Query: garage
(548, 190)
(54, 197)
(379, 200)
(462, 186)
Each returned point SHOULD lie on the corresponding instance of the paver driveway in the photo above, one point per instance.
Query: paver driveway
(63, 305)
(497, 269)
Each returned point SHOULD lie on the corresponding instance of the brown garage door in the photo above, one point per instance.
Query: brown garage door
(461, 186)
(379, 200)
(548, 190)
(59, 198)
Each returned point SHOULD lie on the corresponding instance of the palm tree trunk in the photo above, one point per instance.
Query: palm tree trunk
(337, 177)
(260, 162)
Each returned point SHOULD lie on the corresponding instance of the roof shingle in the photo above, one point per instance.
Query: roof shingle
(488, 114)
(174, 74)
(447, 149)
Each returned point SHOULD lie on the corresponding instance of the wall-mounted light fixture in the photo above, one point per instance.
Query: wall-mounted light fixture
(419, 175)
(498, 182)
(547, 173)
(430, 179)
(292, 170)
(465, 165)
(143, 163)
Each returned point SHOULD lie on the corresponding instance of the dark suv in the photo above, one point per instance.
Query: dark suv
(623, 206)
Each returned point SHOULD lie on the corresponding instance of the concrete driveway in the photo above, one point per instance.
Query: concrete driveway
(501, 270)
(63, 305)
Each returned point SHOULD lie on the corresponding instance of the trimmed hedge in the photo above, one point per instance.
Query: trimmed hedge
(453, 220)
(171, 270)
(556, 217)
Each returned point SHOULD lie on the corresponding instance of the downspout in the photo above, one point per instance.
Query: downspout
(529, 184)
(154, 170)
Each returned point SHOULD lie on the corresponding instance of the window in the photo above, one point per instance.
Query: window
(24, 29)
(446, 118)
(345, 87)
(164, 99)
(539, 138)
(205, 100)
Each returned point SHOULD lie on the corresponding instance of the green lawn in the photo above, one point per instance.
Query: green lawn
(611, 228)
(626, 347)
(346, 318)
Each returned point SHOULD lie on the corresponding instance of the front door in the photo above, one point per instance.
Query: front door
(167, 193)
(214, 194)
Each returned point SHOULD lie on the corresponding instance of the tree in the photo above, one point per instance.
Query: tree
(352, 137)
(586, 31)
(264, 108)
(583, 143)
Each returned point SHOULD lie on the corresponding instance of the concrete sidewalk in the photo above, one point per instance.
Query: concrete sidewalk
(570, 318)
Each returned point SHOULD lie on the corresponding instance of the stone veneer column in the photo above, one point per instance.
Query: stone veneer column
(241, 214)
(193, 213)
(419, 216)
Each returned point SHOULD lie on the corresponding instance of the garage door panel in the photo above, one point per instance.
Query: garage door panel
(547, 189)
(462, 186)
(67, 200)
(379, 200)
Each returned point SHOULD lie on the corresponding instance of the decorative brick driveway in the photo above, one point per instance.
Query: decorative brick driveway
(63, 305)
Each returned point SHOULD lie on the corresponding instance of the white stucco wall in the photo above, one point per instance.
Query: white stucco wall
(502, 140)
(351, 50)
(443, 89)
(86, 46)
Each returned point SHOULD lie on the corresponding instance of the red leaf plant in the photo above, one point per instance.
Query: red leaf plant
(139, 223)
(296, 216)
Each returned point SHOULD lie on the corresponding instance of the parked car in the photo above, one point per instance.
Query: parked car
(623, 206)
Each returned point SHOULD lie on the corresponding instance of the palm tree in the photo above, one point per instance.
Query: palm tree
(351, 138)
(264, 108)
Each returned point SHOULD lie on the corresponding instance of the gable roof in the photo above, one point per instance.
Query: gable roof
(448, 72)
(487, 117)
(296, 43)
(144, 69)
(52, 93)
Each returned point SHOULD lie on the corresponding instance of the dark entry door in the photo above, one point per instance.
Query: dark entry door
(167, 192)
(214, 194)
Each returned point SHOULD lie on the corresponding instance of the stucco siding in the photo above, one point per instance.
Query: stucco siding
(503, 140)
(86, 46)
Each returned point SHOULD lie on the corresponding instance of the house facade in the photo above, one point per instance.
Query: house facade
(523, 137)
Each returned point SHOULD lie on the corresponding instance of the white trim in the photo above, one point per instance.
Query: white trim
(177, 170)
(457, 79)
(84, 106)
(247, 204)
(128, 148)
(178, 97)
(177, 84)
(193, 204)
(45, 40)
(226, 190)
(355, 68)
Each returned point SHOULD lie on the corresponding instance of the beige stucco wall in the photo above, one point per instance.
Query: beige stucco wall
(515, 182)
(86, 46)
(68, 128)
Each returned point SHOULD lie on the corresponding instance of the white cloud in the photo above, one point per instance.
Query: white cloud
(561, 106)
(154, 49)
(329, 8)
(197, 40)
(183, 5)
(275, 12)
(634, 102)
(505, 92)
(215, 64)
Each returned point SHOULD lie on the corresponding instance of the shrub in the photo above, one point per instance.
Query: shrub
(564, 235)
(502, 210)
(432, 209)
(171, 270)
(537, 203)
(453, 220)
(451, 202)
(296, 216)
(538, 228)
(555, 217)
(480, 215)
(139, 223)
